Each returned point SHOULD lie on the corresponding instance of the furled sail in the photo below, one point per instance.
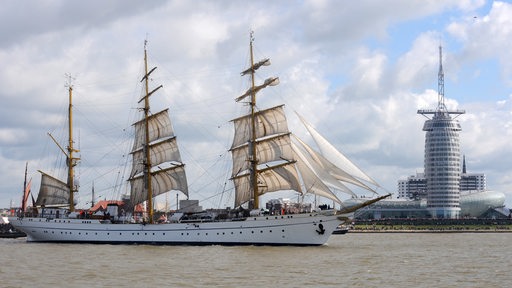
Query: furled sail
(167, 169)
(52, 192)
(336, 157)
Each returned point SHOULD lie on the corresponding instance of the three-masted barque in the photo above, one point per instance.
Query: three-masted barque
(265, 159)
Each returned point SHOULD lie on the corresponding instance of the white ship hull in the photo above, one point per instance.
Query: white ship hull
(294, 229)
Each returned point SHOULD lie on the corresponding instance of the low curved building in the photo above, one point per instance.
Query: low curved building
(477, 203)
(472, 204)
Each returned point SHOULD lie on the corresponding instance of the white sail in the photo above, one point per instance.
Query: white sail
(324, 168)
(164, 180)
(335, 156)
(319, 170)
(312, 183)
(52, 192)
(167, 168)
(271, 121)
(160, 152)
(268, 150)
(159, 127)
(269, 180)
(273, 153)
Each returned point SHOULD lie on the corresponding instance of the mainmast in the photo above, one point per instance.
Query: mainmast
(147, 161)
(253, 158)
(252, 141)
(147, 164)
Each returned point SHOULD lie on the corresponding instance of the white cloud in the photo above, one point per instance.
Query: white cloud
(336, 60)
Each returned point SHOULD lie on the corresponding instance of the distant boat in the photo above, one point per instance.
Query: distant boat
(7, 231)
(11, 234)
(265, 160)
(341, 229)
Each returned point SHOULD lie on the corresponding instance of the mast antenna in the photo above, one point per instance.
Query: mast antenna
(440, 82)
(69, 80)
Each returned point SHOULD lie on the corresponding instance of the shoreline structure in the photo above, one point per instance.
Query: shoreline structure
(432, 226)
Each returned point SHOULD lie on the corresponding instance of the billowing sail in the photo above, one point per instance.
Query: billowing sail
(265, 159)
(162, 181)
(319, 170)
(275, 171)
(167, 169)
(268, 150)
(271, 121)
(161, 152)
(159, 127)
(325, 168)
(272, 179)
(312, 183)
(336, 157)
(52, 192)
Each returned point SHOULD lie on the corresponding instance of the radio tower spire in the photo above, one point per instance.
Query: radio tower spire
(440, 82)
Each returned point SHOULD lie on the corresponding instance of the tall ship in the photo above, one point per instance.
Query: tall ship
(267, 158)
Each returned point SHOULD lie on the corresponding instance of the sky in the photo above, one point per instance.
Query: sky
(356, 70)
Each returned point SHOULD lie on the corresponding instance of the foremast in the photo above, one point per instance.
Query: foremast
(25, 196)
(72, 161)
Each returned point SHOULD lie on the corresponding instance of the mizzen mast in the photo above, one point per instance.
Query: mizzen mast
(25, 194)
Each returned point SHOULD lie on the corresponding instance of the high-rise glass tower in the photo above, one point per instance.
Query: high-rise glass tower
(442, 155)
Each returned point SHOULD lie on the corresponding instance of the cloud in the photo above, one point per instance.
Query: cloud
(357, 71)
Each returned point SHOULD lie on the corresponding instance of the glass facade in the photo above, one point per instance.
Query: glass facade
(442, 165)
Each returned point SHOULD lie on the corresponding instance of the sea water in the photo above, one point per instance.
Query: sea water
(349, 260)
